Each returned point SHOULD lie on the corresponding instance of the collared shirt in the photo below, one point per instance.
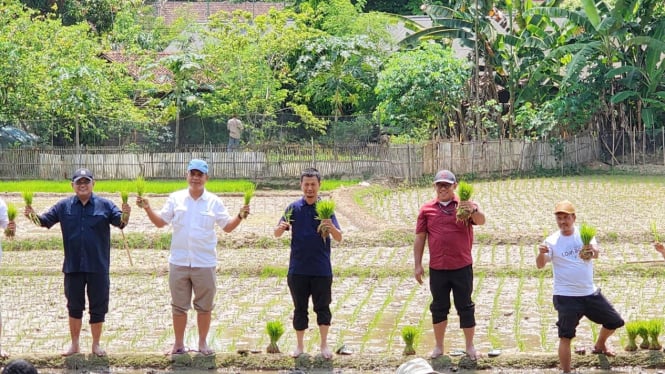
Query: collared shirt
(310, 253)
(449, 240)
(86, 232)
(194, 241)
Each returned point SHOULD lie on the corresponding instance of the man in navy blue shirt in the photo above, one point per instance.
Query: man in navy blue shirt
(310, 270)
(85, 221)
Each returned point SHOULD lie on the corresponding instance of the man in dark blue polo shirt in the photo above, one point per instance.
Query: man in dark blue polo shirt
(310, 270)
(85, 220)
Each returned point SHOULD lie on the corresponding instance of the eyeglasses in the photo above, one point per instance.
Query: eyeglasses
(445, 186)
(83, 181)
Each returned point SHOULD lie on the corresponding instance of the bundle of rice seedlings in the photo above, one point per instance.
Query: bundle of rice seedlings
(275, 330)
(587, 232)
(643, 332)
(324, 210)
(464, 191)
(247, 198)
(654, 327)
(140, 190)
(631, 330)
(124, 196)
(12, 212)
(27, 198)
(654, 232)
(287, 217)
(410, 336)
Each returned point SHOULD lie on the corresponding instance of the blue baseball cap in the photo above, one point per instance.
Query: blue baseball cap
(199, 165)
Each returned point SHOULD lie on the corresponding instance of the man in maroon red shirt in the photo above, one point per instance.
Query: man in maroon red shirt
(450, 265)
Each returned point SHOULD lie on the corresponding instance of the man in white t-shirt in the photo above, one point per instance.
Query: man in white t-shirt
(575, 294)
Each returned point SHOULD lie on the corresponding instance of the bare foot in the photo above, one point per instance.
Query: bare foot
(176, 351)
(472, 353)
(3, 354)
(326, 352)
(98, 351)
(73, 349)
(437, 352)
(205, 350)
(297, 353)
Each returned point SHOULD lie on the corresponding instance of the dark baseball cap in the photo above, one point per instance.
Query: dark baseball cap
(445, 176)
(82, 173)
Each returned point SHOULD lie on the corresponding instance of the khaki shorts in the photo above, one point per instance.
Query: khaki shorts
(183, 280)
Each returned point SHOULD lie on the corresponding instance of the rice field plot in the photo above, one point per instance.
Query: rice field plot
(374, 292)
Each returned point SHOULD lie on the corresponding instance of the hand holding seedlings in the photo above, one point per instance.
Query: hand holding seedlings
(244, 212)
(31, 215)
(12, 212)
(587, 233)
(142, 202)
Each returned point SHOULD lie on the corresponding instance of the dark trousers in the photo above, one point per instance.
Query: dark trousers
(460, 282)
(96, 285)
(320, 289)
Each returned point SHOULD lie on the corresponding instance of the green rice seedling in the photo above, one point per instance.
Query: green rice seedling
(27, 198)
(410, 336)
(140, 190)
(12, 212)
(275, 330)
(287, 217)
(655, 327)
(247, 198)
(464, 191)
(643, 332)
(324, 210)
(654, 232)
(124, 196)
(587, 232)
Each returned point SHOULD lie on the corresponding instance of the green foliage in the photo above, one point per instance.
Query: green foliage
(410, 335)
(421, 89)
(464, 190)
(587, 232)
(325, 209)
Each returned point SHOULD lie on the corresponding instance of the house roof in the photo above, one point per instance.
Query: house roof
(202, 10)
(160, 74)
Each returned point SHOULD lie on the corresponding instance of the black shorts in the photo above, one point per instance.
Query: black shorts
(595, 307)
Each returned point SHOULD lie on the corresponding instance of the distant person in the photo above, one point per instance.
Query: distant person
(310, 270)
(193, 213)
(451, 264)
(85, 221)
(235, 126)
(4, 224)
(575, 295)
(19, 366)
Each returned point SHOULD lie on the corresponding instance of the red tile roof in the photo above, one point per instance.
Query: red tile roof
(201, 10)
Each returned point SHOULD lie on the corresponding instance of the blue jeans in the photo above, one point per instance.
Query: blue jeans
(233, 144)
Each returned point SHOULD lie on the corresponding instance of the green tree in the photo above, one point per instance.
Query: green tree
(421, 91)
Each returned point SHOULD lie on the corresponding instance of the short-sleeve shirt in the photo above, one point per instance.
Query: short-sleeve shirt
(194, 241)
(448, 239)
(310, 253)
(572, 275)
(86, 232)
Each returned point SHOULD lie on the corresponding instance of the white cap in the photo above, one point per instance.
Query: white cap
(415, 366)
